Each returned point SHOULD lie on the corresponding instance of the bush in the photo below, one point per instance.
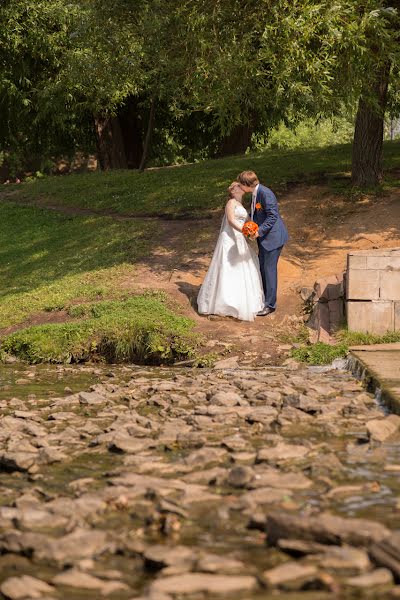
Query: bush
(307, 134)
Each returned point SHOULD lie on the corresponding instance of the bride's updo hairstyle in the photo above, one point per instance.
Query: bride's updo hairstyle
(248, 178)
(231, 188)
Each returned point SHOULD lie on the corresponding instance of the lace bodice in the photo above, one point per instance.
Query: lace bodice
(241, 214)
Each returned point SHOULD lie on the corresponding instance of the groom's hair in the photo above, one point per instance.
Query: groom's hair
(248, 178)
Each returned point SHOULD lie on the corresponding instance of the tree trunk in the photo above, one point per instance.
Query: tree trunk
(149, 132)
(368, 133)
(131, 129)
(110, 145)
(236, 142)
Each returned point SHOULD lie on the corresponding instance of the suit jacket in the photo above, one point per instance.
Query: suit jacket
(271, 229)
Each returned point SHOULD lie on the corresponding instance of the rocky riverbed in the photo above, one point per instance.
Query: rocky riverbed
(163, 484)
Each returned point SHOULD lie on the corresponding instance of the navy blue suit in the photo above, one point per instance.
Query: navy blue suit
(272, 237)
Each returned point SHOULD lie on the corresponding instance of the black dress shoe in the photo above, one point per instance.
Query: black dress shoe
(265, 311)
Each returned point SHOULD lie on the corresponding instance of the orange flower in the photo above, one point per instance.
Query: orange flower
(249, 228)
(258, 206)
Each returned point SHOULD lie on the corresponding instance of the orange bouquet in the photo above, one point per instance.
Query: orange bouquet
(258, 206)
(249, 228)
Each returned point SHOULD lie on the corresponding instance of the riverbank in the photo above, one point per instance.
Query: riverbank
(74, 242)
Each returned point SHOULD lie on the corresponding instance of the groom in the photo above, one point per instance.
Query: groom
(272, 235)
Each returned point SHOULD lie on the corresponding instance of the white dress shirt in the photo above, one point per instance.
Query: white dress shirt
(253, 201)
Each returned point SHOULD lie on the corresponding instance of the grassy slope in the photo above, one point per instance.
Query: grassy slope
(50, 261)
(190, 189)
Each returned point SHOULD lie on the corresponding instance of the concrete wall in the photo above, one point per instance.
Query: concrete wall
(373, 290)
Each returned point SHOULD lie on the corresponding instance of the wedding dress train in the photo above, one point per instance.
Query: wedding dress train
(232, 286)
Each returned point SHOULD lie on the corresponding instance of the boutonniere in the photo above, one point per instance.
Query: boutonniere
(258, 206)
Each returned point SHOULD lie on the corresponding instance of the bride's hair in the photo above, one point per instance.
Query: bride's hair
(231, 188)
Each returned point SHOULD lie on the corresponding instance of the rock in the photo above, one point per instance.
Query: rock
(91, 398)
(281, 453)
(196, 583)
(345, 560)
(49, 455)
(205, 456)
(381, 429)
(381, 578)
(206, 477)
(25, 586)
(324, 528)
(264, 495)
(277, 479)
(75, 546)
(386, 553)
(299, 548)
(122, 443)
(227, 363)
(77, 579)
(292, 573)
(213, 563)
(161, 556)
(17, 461)
(240, 476)
(62, 416)
(225, 399)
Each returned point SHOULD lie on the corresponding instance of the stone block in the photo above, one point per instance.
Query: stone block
(390, 284)
(370, 317)
(383, 262)
(355, 261)
(362, 284)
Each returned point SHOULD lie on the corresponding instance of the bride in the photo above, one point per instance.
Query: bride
(232, 286)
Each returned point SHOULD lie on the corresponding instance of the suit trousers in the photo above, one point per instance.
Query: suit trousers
(269, 273)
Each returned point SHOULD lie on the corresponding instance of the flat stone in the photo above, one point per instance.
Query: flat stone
(225, 399)
(277, 479)
(128, 445)
(282, 452)
(214, 563)
(377, 578)
(196, 583)
(91, 398)
(25, 586)
(324, 528)
(227, 363)
(78, 579)
(289, 572)
(345, 560)
(75, 546)
(161, 556)
(386, 553)
(382, 429)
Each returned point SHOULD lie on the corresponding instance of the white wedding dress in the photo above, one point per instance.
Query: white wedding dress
(232, 286)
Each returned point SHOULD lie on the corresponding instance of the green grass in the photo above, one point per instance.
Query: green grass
(319, 353)
(356, 338)
(324, 354)
(142, 329)
(48, 260)
(189, 189)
